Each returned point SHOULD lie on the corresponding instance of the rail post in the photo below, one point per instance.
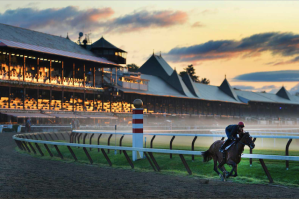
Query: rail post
(137, 128)
(287, 153)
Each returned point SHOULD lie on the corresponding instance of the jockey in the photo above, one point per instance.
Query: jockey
(231, 132)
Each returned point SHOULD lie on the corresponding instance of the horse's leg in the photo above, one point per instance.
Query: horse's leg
(216, 170)
(234, 165)
(236, 171)
(224, 170)
(223, 161)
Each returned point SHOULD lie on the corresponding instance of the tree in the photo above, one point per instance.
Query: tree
(191, 71)
(205, 81)
(132, 67)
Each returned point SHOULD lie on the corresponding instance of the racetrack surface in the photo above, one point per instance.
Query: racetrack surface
(22, 175)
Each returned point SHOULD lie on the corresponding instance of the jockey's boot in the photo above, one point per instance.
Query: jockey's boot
(226, 143)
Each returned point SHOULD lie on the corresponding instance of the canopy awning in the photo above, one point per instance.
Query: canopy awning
(66, 115)
(28, 115)
(101, 117)
(13, 44)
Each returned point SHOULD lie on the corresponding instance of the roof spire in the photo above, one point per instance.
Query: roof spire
(153, 51)
(160, 54)
(225, 76)
(67, 36)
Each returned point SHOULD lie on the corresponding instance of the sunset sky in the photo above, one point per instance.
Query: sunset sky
(255, 44)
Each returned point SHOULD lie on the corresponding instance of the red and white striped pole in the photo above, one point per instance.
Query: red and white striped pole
(137, 128)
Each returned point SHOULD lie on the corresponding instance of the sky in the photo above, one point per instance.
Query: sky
(255, 44)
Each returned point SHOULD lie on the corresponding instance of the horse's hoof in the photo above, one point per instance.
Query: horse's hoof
(222, 178)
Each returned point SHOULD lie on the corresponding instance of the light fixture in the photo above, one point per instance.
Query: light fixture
(45, 59)
(41, 59)
(13, 54)
(4, 53)
(26, 56)
(21, 55)
(56, 61)
(29, 57)
(18, 55)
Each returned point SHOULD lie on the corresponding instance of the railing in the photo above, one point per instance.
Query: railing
(173, 135)
(23, 139)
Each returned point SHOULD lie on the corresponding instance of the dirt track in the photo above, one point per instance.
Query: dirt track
(29, 177)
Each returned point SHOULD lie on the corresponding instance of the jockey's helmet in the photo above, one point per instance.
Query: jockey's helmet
(241, 124)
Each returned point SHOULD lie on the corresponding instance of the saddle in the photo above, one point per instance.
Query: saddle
(231, 144)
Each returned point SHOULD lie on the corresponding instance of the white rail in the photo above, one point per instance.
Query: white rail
(166, 151)
(183, 134)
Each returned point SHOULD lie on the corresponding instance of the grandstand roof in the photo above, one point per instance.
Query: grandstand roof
(164, 81)
(26, 39)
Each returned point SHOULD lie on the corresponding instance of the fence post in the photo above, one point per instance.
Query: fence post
(137, 127)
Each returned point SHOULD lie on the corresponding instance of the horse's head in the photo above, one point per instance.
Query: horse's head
(247, 140)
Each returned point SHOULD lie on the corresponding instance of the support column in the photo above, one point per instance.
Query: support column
(137, 124)
(84, 100)
(116, 76)
(50, 68)
(9, 96)
(62, 99)
(24, 61)
(24, 96)
(73, 101)
(111, 77)
(94, 76)
(102, 69)
(74, 74)
(62, 71)
(9, 65)
(37, 92)
(110, 101)
(84, 76)
(50, 100)
(37, 68)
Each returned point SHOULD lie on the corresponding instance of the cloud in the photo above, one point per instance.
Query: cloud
(270, 76)
(73, 20)
(144, 19)
(284, 44)
(197, 25)
(56, 21)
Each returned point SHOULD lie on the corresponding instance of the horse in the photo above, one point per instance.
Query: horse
(232, 156)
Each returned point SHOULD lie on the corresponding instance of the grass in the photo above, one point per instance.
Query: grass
(174, 166)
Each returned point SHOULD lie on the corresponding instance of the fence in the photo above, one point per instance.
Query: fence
(22, 140)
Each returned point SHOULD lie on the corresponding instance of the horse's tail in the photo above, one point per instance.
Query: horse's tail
(207, 156)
